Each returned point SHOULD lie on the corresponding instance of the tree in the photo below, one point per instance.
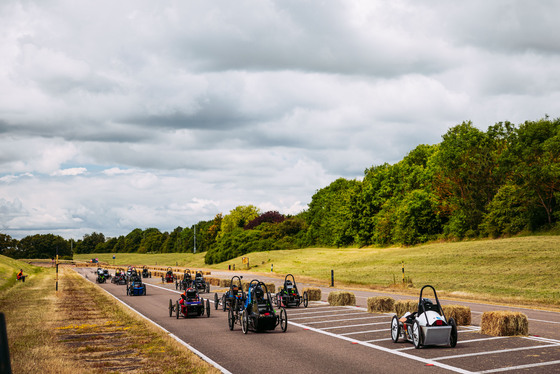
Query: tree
(43, 246)
(89, 243)
(535, 156)
(237, 218)
(270, 217)
(132, 241)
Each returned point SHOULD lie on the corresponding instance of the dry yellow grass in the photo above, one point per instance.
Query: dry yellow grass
(504, 323)
(380, 304)
(341, 298)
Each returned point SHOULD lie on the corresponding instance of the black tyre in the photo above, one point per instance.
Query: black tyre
(454, 335)
(395, 329)
(216, 301)
(224, 302)
(178, 311)
(207, 308)
(283, 320)
(245, 322)
(231, 319)
(305, 299)
(417, 335)
(170, 308)
(202, 307)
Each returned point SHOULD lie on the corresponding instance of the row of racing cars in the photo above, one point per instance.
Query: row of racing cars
(254, 309)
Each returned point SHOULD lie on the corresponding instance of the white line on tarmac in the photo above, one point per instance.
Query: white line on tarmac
(387, 350)
(364, 324)
(459, 342)
(192, 349)
(527, 366)
(325, 311)
(498, 351)
(345, 319)
(362, 332)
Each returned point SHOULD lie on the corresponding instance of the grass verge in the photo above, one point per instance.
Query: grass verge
(83, 330)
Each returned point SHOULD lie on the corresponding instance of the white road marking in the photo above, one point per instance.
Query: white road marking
(326, 315)
(527, 366)
(362, 332)
(182, 342)
(387, 350)
(346, 319)
(341, 327)
(498, 351)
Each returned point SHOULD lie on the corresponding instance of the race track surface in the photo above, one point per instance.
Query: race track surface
(328, 339)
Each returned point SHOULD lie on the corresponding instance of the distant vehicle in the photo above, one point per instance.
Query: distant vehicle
(289, 295)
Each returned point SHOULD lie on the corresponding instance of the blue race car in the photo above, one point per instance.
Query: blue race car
(136, 287)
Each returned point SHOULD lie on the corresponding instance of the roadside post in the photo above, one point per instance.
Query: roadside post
(5, 365)
(332, 278)
(403, 272)
(56, 263)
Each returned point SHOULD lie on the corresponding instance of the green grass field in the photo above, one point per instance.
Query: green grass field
(523, 270)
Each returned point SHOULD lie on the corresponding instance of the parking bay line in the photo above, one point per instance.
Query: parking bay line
(346, 319)
(383, 349)
(493, 352)
(341, 327)
(526, 366)
(327, 315)
(363, 332)
(461, 342)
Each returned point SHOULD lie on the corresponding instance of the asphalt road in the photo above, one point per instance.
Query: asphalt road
(324, 339)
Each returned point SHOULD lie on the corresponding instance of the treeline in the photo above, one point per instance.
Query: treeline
(474, 183)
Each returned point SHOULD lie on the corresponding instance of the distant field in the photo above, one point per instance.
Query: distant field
(520, 270)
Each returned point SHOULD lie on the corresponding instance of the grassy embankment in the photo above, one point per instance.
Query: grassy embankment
(523, 270)
(81, 329)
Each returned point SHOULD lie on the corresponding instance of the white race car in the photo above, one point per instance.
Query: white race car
(428, 326)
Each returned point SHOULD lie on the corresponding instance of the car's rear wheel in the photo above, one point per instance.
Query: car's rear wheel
(305, 299)
(224, 302)
(170, 308)
(454, 335)
(244, 322)
(231, 319)
(207, 308)
(395, 329)
(416, 335)
(283, 320)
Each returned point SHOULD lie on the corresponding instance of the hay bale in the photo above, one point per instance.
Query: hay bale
(313, 293)
(225, 282)
(403, 306)
(380, 304)
(504, 323)
(461, 314)
(341, 298)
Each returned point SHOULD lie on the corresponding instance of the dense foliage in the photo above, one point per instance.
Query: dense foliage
(498, 182)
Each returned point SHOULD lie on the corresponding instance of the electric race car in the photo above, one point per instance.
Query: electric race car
(200, 284)
(428, 326)
(258, 312)
(145, 272)
(186, 282)
(190, 305)
(169, 277)
(234, 295)
(120, 277)
(289, 295)
(135, 287)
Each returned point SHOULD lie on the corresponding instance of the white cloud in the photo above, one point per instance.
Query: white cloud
(164, 115)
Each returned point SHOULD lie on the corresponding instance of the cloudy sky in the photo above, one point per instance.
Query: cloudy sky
(123, 114)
